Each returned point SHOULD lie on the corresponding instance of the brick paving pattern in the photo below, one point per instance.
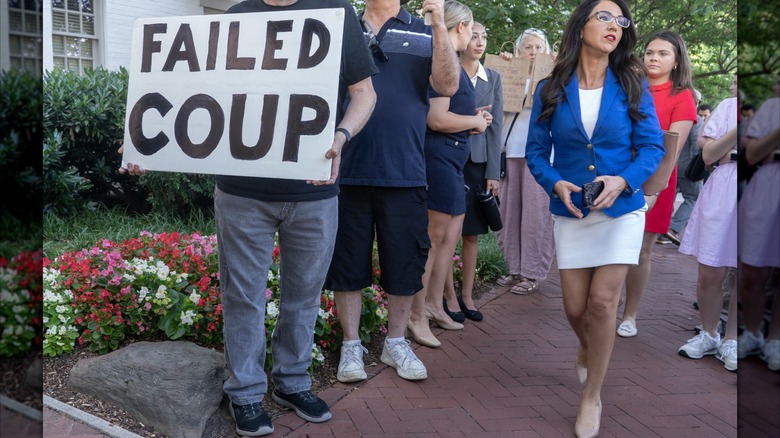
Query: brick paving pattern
(512, 375)
(16, 425)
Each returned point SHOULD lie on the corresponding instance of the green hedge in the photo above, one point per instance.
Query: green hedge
(20, 140)
(84, 118)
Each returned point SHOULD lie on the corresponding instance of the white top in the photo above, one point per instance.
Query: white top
(481, 74)
(517, 133)
(590, 101)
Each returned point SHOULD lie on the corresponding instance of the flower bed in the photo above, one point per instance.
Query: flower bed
(165, 284)
(20, 300)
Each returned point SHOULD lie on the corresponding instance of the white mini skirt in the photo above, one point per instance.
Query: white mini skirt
(598, 239)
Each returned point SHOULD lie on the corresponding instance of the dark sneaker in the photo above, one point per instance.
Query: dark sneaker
(307, 405)
(662, 239)
(251, 420)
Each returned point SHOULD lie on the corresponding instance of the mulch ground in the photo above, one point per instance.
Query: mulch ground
(56, 371)
(13, 375)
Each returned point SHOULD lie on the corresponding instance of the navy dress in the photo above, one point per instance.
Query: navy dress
(446, 154)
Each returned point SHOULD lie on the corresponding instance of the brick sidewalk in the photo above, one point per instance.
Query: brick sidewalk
(15, 425)
(513, 375)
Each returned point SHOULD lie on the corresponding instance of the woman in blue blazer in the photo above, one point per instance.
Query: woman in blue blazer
(596, 111)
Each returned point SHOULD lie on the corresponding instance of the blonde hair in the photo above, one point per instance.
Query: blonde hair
(455, 13)
(532, 32)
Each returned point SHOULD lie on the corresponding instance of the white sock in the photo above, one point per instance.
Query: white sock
(351, 342)
(394, 340)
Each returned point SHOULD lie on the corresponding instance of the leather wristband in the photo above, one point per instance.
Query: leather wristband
(346, 133)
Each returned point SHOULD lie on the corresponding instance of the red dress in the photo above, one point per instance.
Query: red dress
(669, 108)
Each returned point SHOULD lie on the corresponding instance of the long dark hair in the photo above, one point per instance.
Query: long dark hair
(682, 76)
(628, 67)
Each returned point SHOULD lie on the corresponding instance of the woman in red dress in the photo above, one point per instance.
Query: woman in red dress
(669, 74)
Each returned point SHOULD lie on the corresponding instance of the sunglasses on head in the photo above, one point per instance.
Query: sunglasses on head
(534, 30)
(606, 17)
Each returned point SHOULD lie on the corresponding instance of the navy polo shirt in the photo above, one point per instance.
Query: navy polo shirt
(389, 151)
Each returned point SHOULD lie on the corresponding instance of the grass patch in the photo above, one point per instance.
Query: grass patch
(17, 235)
(61, 234)
(490, 260)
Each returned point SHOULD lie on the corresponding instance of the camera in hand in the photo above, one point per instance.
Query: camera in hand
(591, 191)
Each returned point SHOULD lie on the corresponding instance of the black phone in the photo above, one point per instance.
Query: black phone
(591, 191)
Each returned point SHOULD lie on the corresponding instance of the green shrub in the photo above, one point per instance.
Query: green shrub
(84, 122)
(179, 194)
(20, 144)
(490, 261)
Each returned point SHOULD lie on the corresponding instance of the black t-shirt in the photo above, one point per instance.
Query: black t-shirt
(356, 65)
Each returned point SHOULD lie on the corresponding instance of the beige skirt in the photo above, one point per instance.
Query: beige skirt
(598, 240)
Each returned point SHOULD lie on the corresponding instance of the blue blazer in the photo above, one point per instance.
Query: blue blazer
(619, 146)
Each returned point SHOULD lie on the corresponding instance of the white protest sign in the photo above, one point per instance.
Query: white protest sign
(236, 94)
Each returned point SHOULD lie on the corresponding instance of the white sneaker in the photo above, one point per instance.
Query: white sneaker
(749, 344)
(771, 354)
(700, 345)
(727, 353)
(400, 356)
(351, 368)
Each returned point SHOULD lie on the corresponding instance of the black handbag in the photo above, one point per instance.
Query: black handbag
(489, 206)
(696, 170)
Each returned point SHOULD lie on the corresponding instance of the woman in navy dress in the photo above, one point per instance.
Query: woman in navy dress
(450, 120)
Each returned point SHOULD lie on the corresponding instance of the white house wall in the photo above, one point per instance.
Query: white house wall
(115, 25)
(118, 24)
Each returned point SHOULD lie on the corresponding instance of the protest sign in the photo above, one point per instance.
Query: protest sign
(236, 94)
(514, 75)
(543, 66)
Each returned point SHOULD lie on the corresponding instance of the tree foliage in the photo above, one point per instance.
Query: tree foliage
(709, 28)
(759, 49)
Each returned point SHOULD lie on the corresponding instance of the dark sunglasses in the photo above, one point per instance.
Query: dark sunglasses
(377, 51)
(606, 17)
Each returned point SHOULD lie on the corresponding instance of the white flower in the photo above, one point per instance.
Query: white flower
(45, 320)
(316, 353)
(8, 297)
(61, 309)
(187, 317)
(142, 294)
(323, 314)
(161, 292)
(195, 297)
(271, 309)
(162, 271)
(51, 297)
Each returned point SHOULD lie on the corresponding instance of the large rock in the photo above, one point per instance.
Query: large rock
(34, 377)
(174, 387)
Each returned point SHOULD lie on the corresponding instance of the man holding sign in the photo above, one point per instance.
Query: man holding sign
(383, 181)
(250, 210)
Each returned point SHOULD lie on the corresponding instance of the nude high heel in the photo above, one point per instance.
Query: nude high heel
(581, 431)
(427, 341)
